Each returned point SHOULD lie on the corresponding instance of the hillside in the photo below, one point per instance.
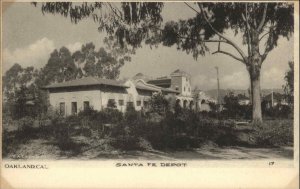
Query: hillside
(213, 93)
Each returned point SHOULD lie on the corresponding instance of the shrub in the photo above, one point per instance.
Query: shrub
(25, 123)
(131, 114)
(278, 112)
(274, 133)
(124, 137)
(158, 103)
(7, 144)
(26, 131)
(112, 115)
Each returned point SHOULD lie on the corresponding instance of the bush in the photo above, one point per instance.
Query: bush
(124, 137)
(158, 103)
(278, 112)
(274, 133)
(25, 123)
(131, 115)
(7, 144)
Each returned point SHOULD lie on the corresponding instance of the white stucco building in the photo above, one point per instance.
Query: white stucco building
(73, 96)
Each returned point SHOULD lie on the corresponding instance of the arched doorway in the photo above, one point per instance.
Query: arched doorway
(178, 103)
(191, 105)
(185, 102)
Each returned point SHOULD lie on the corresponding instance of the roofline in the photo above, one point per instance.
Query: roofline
(146, 89)
(100, 84)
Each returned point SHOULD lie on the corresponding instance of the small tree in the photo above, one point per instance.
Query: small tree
(158, 103)
(231, 104)
(289, 86)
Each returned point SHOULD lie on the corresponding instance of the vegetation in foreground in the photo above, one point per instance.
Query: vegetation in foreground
(110, 130)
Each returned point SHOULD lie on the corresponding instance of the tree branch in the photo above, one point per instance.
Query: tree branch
(227, 53)
(191, 8)
(247, 30)
(115, 12)
(262, 22)
(219, 45)
(263, 36)
(264, 56)
(222, 36)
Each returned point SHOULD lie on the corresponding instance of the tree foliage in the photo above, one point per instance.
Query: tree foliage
(158, 103)
(20, 90)
(260, 25)
(289, 86)
(130, 23)
(100, 63)
(23, 95)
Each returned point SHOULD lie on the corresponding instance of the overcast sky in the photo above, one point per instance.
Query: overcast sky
(29, 37)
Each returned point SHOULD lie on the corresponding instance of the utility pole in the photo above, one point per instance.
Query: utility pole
(218, 93)
(272, 98)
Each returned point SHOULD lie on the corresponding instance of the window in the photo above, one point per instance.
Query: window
(111, 103)
(121, 102)
(62, 108)
(146, 103)
(74, 108)
(184, 89)
(86, 105)
(176, 88)
(130, 104)
(138, 103)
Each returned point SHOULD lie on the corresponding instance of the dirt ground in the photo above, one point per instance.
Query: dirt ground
(42, 149)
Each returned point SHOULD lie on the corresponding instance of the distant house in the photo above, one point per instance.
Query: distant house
(202, 100)
(274, 99)
(243, 99)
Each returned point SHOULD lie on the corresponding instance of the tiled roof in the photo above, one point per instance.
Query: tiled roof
(160, 81)
(87, 81)
(178, 71)
(150, 87)
(146, 88)
(169, 90)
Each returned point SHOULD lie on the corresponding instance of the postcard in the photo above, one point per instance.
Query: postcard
(160, 94)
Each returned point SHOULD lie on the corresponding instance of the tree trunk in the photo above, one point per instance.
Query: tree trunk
(254, 67)
(256, 99)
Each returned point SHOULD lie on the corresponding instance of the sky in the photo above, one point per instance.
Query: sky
(29, 37)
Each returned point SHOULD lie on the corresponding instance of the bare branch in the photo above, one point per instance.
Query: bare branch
(114, 11)
(263, 36)
(221, 35)
(219, 45)
(264, 56)
(191, 8)
(227, 53)
(248, 30)
(262, 22)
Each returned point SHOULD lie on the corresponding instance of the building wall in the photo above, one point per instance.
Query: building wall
(93, 96)
(205, 107)
(183, 84)
(98, 97)
(116, 94)
(186, 84)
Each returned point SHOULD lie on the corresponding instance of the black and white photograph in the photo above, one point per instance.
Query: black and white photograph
(149, 81)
